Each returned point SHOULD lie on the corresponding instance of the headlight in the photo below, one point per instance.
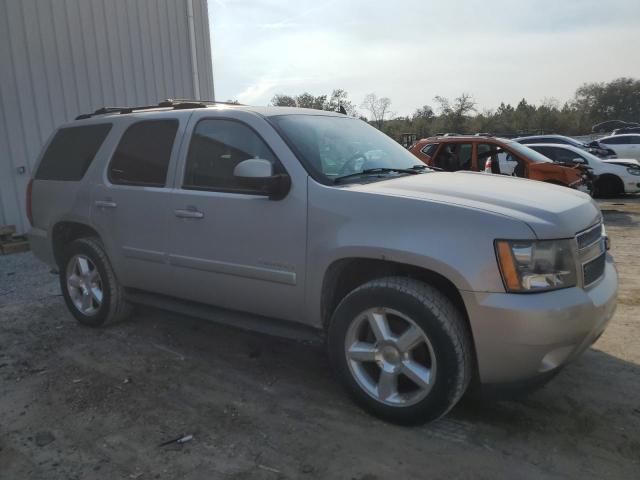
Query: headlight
(633, 170)
(536, 266)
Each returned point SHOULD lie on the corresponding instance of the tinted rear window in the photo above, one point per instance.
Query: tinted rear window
(143, 154)
(615, 141)
(71, 152)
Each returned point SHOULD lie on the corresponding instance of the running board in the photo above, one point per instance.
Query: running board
(232, 318)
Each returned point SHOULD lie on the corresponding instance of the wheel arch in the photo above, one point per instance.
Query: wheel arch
(346, 274)
(65, 232)
(612, 177)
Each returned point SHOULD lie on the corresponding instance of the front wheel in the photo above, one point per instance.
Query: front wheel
(401, 349)
(608, 186)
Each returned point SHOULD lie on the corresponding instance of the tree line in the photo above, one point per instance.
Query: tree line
(592, 103)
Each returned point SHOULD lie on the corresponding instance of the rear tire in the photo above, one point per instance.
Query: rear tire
(89, 285)
(401, 349)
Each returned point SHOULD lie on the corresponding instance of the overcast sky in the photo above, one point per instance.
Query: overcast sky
(410, 51)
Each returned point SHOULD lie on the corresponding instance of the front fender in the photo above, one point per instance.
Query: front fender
(453, 241)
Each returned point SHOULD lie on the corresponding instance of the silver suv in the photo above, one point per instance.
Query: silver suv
(421, 281)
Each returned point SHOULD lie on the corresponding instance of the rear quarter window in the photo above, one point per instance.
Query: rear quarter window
(71, 151)
(615, 141)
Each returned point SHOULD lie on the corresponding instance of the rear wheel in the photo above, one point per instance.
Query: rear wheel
(401, 349)
(89, 285)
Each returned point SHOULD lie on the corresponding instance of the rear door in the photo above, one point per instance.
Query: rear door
(454, 156)
(230, 246)
(130, 207)
(619, 144)
(634, 147)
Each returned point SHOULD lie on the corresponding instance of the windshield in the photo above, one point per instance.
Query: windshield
(334, 146)
(529, 153)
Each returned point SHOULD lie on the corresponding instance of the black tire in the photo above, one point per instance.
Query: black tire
(609, 185)
(113, 307)
(442, 323)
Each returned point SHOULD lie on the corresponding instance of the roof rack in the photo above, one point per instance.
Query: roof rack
(175, 103)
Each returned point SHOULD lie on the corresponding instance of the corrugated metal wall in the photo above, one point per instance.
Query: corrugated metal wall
(60, 58)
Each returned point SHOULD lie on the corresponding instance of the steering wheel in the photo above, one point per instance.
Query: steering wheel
(348, 166)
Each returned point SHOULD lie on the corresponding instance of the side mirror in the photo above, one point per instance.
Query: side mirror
(253, 168)
(578, 160)
(257, 174)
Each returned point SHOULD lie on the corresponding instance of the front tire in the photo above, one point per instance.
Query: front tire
(401, 349)
(608, 186)
(89, 285)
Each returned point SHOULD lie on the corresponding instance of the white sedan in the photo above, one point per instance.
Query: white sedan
(626, 145)
(612, 176)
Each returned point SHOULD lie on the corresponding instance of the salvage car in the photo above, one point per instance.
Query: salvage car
(626, 145)
(499, 156)
(612, 177)
(295, 222)
(591, 147)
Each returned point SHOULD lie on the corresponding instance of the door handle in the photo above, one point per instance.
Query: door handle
(105, 204)
(189, 213)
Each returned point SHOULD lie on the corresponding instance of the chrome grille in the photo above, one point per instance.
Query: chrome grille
(593, 270)
(591, 253)
(589, 236)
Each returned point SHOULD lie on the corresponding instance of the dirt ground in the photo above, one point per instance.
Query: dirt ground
(78, 403)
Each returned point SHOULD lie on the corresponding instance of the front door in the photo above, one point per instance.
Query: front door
(230, 246)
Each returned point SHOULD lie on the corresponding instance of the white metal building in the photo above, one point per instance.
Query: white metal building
(61, 58)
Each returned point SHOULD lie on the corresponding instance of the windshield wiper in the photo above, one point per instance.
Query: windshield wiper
(372, 171)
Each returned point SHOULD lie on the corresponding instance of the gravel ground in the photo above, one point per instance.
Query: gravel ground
(78, 403)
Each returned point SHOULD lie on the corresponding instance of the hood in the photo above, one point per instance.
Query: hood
(623, 161)
(551, 211)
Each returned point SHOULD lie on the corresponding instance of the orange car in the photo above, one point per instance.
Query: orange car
(471, 152)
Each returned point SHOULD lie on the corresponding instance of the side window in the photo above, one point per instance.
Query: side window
(454, 156)
(548, 152)
(564, 155)
(509, 164)
(143, 154)
(488, 151)
(430, 149)
(615, 140)
(217, 146)
(635, 139)
(71, 151)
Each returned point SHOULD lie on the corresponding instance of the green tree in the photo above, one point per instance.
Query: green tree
(616, 100)
(306, 100)
(280, 100)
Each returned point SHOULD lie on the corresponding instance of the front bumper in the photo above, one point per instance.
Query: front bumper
(522, 336)
(632, 186)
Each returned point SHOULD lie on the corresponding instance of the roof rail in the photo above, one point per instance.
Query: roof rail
(175, 103)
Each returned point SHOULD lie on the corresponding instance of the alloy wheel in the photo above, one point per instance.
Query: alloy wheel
(390, 357)
(84, 285)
